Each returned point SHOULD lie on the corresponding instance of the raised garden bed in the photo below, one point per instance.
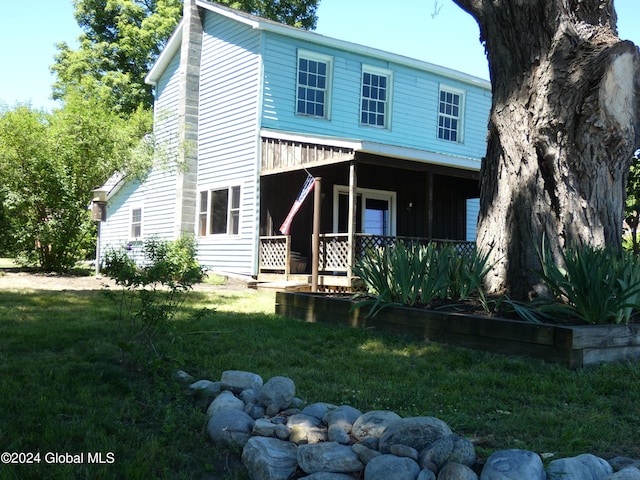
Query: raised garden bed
(572, 346)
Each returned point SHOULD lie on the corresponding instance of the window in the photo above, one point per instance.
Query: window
(219, 212)
(376, 218)
(450, 115)
(136, 223)
(314, 81)
(375, 97)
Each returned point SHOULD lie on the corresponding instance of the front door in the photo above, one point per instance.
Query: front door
(377, 218)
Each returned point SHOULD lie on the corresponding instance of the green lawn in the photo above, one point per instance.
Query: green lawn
(67, 388)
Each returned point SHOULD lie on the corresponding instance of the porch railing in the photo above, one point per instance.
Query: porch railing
(276, 255)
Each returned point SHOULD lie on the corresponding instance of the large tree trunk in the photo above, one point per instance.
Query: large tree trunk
(562, 131)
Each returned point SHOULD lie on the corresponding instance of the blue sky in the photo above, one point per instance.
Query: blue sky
(407, 27)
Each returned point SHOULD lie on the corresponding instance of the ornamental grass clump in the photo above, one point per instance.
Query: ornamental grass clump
(594, 285)
(413, 274)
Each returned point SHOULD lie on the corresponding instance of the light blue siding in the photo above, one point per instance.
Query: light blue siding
(228, 135)
(156, 196)
(473, 208)
(414, 114)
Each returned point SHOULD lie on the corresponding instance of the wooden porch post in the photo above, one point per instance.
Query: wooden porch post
(315, 243)
(351, 219)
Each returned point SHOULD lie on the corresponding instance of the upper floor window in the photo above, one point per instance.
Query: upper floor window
(314, 84)
(219, 212)
(450, 114)
(135, 231)
(375, 97)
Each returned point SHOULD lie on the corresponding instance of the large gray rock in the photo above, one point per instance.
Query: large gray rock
(327, 476)
(582, 467)
(373, 424)
(230, 427)
(207, 387)
(225, 401)
(390, 467)
(318, 410)
(269, 459)
(365, 454)
(426, 475)
(238, 380)
(456, 471)
(328, 457)
(513, 465)
(451, 448)
(415, 432)
(628, 473)
(343, 416)
(277, 394)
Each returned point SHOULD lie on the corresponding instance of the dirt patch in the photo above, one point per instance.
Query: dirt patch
(11, 279)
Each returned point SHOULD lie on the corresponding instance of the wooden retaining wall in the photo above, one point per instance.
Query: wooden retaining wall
(572, 346)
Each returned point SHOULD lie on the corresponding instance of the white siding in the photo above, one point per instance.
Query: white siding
(228, 135)
(156, 196)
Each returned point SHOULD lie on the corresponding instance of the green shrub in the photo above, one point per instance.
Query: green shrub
(591, 284)
(152, 290)
(416, 274)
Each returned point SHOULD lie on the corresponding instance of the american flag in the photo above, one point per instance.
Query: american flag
(306, 188)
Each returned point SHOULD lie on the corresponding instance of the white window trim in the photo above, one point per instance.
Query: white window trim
(130, 223)
(210, 189)
(367, 193)
(310, 55)
(382, 72)
(463, 100)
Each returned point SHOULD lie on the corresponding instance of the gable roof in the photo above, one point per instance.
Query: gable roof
(259, 23)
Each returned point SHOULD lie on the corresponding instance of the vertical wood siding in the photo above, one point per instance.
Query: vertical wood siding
(414, 114)
(228, 135)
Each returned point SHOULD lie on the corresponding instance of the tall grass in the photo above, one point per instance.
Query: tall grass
(67, 388)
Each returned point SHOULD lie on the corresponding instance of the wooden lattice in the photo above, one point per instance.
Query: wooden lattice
(334, 253)
(273, 253)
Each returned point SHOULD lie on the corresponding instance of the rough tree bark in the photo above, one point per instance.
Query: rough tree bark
(562, 130)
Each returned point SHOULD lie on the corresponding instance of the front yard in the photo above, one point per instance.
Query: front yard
(68, 389)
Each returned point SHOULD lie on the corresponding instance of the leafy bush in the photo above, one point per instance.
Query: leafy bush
(591, 284)
(152, 291)
(416, 274)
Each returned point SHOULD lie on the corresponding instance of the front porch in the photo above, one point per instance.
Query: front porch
(277, 261)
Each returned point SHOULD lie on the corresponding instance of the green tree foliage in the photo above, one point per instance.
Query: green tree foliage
(50, 162)
(123, 38)
(632, 205)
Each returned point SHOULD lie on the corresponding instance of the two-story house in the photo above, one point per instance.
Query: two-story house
(246, 109)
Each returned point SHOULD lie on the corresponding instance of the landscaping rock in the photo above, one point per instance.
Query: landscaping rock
(225, 401)
(628, 473)
(415, 432)
(269, 459)
(456, 471)
(328, 457)
(318, 410)
(582, 467)
(277, 394)
(451, 448)
(426, 475)
(279, 441)
(327, 476)
(207, 387)
(237, 381)
(390, 467)
(230, 427)
(364, 453)
(373, 424)
(513, 465)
